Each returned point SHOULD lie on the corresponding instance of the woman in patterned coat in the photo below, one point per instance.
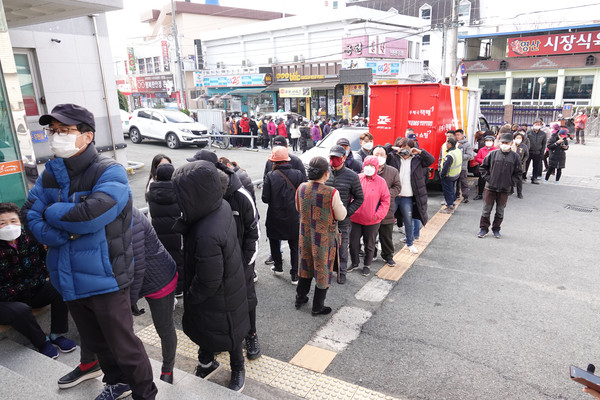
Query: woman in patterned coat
(320, 208)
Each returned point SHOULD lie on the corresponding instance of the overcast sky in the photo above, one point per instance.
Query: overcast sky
(126, 26)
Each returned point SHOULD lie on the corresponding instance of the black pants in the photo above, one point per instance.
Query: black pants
(162, 318)
(294, 144)
(489, 199)
(537, 166)
(368, 234)
(105, 324)
(276, 254)
(18, 314)
(551, 171)
(387, 243)
(236, 357)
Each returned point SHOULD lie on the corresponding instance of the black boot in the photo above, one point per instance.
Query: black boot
(302, 291)
(319, 302)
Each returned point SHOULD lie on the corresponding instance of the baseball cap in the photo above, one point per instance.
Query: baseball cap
(506, 137)
(69, 114)
(279, 141)
(563, 132)
(337, 151)
(489, 137)
(411, 136)
(343, 142)
(205, 155)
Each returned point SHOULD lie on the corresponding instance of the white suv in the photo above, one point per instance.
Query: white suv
(172, 126)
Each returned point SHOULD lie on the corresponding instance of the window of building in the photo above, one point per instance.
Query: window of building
(141, 66)
(410, 49)
(426, 40)
(578, 87)
(417, 50)
(335, 5)
(425, 63)
(157, 64)
(492, 88)
(149, 65)
(28, 81)
(425, 11)
(528, 88)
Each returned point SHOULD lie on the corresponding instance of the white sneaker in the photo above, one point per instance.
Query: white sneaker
(413, 249)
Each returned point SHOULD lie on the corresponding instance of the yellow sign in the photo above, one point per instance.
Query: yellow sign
(296, 77)
(295, 92)
(347, 106)
(354, 90)
(387, 82)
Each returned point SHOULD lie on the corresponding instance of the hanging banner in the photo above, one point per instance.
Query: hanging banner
(560, 43)
(165, 55)
(131, 60)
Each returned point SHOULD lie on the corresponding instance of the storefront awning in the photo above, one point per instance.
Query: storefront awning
(246, 91)
(329, 84)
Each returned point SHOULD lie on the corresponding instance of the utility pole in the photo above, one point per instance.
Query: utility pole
(453, 38)
(182, 95)
(444, 51)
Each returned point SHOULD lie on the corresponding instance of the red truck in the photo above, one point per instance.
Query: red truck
(430, 109)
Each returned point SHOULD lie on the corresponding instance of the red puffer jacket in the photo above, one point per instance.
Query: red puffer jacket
(484, 151)
(377, 200)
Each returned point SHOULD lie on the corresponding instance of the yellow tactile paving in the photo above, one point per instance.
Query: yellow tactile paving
(293, 379)
(404, 258)
(313, 358)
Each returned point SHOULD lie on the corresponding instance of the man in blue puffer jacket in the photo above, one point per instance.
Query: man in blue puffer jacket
(81, 208)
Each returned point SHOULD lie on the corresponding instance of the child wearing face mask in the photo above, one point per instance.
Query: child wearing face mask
(24, 285)
(522, 150)
(481, 154)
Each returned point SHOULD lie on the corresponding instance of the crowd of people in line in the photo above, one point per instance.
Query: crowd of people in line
(301, 133)
(79, 245)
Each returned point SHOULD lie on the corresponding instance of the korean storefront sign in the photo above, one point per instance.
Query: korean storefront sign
(559, 43)
(131, 59)
(354, 90)
(374, 46)
(295, 92)
(156, 83)
(384, 67)
(165, 55)
(229, 81)
(296, 77)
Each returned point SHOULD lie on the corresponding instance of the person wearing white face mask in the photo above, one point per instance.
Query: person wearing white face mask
(386, 228)
(537, 139)
(24, 285)
(522, 150)
(366, 145)
(501, 169)
(366, 220)
(81, 208)
(481, 154)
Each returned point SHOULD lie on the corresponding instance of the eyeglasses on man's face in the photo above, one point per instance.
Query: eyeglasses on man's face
(62, 131)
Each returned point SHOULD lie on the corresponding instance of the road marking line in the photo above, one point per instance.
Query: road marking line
(343, 328)
(290, 378)
(374, 291)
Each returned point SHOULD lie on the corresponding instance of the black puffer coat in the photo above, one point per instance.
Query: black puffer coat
(295, 162)
(418, 165)
(248, 233)
(283, 220)
(215, 307)
(558, 157)
(246, 181)
(154, 268)
(164, 211)
(347, 183)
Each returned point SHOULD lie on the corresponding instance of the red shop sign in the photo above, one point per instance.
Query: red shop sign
(560, 43)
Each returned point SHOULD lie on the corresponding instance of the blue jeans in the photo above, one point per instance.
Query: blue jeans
(406, 208)
(448, 187)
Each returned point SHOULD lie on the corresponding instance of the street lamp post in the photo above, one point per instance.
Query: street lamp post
(541, 80)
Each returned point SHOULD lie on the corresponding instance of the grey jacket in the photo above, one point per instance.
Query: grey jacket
(468, 153)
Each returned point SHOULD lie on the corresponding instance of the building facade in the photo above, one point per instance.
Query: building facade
(308, 57)
(548, 67)
(52, 53)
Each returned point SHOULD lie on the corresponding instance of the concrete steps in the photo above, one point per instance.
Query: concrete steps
(27, 374)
